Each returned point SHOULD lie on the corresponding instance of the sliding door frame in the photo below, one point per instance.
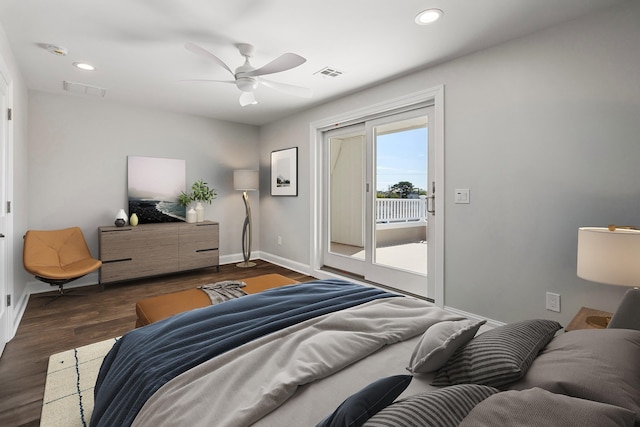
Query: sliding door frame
(433, 96)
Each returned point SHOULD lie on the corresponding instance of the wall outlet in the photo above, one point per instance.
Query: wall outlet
(279, 240)
(553, 302)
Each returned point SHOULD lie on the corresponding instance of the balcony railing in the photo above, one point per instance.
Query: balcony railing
(391, 211)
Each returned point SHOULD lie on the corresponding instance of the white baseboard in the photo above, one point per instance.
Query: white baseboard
(286, 263)
(490, 322)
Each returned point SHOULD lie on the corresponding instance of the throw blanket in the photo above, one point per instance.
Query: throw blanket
(241, 386)
(146, 358)
(223, 291)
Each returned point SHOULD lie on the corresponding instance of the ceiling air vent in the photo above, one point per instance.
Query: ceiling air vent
(82, 89)
(329, 72)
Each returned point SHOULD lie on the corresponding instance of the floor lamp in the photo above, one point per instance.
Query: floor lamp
(246, 180)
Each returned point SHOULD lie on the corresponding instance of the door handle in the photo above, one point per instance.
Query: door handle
(431, 206)
(1, 235)
(431, 200)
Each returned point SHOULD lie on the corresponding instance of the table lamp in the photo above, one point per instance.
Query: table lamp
(246, 180)
(610, 255)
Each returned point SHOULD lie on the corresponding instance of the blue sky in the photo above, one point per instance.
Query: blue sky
(402, 156)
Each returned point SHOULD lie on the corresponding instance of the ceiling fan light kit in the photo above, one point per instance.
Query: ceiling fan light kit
(247, 78)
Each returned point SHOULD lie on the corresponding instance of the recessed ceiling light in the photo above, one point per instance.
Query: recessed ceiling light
(83, 66)
(428, 16)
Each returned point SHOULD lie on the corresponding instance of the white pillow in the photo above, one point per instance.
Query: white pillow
(439, 342)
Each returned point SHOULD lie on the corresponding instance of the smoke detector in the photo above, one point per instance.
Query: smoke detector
(57, 50)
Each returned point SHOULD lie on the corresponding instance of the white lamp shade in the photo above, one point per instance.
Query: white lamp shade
(244, 179)
(611, 257)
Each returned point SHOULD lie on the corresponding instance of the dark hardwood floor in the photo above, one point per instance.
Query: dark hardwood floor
(76, 321)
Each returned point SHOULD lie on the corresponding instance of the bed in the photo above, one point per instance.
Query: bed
(334, 353)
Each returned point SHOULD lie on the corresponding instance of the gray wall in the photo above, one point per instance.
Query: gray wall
(78, 150)
(544, 131)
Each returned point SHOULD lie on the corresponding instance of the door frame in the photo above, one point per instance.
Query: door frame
(433, 96)
(6, 253)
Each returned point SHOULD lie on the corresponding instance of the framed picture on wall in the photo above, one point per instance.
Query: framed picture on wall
(154, 186)
(284, 172)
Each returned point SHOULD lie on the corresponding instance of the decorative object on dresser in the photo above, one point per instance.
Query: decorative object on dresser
(609, 255)
(155, 249)
(200, 192)
(58, 257)
(121, 218)
(246, 180)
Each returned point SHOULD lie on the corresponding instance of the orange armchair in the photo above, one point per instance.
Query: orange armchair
(57, 257)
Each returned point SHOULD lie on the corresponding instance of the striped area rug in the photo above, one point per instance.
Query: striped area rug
(68, 392)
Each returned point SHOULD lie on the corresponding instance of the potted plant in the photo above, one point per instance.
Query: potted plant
(185, 200)
(200, 192)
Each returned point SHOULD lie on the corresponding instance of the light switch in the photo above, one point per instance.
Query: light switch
(462, 195)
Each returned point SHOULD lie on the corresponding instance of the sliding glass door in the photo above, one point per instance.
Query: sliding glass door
(377, 192)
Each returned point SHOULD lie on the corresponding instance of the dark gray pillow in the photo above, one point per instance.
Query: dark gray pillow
(357, 408)
(537, 407)
(499, 356)
(602, 365)
(440, 408)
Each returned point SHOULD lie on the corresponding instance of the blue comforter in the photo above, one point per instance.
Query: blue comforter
(145, 359)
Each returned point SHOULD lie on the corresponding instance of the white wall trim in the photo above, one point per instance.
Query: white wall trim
(19, 307)
(490, 322)
(316, 128)
(287, 263)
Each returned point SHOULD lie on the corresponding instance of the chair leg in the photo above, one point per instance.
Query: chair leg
(61, 292)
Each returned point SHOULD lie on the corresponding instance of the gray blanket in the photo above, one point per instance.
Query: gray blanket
(225, 290)
(242, 385)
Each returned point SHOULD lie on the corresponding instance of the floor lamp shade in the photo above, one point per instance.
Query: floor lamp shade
(246, 180)
(611, 257)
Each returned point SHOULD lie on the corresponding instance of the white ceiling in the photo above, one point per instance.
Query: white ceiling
(137, 46)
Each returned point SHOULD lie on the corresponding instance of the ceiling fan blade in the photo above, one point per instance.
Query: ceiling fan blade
(288, 89)
(192, 47)
(206, 81)
(284, 62)
(247, 98)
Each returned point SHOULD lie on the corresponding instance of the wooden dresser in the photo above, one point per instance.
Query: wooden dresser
(153, 249)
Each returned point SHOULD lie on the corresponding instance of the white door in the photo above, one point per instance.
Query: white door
(4, 239)
(378, 176)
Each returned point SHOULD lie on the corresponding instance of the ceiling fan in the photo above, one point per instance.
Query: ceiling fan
(247, 78)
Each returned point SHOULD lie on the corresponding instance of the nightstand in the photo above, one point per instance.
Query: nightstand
(580, 319)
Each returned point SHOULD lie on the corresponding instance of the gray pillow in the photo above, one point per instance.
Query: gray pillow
(627, 316)
(443, 408)
(537, 407)
(439, 342)
(499, 356)
(602, 365)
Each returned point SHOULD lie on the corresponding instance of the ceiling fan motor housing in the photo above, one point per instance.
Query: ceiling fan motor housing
(246, 84)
